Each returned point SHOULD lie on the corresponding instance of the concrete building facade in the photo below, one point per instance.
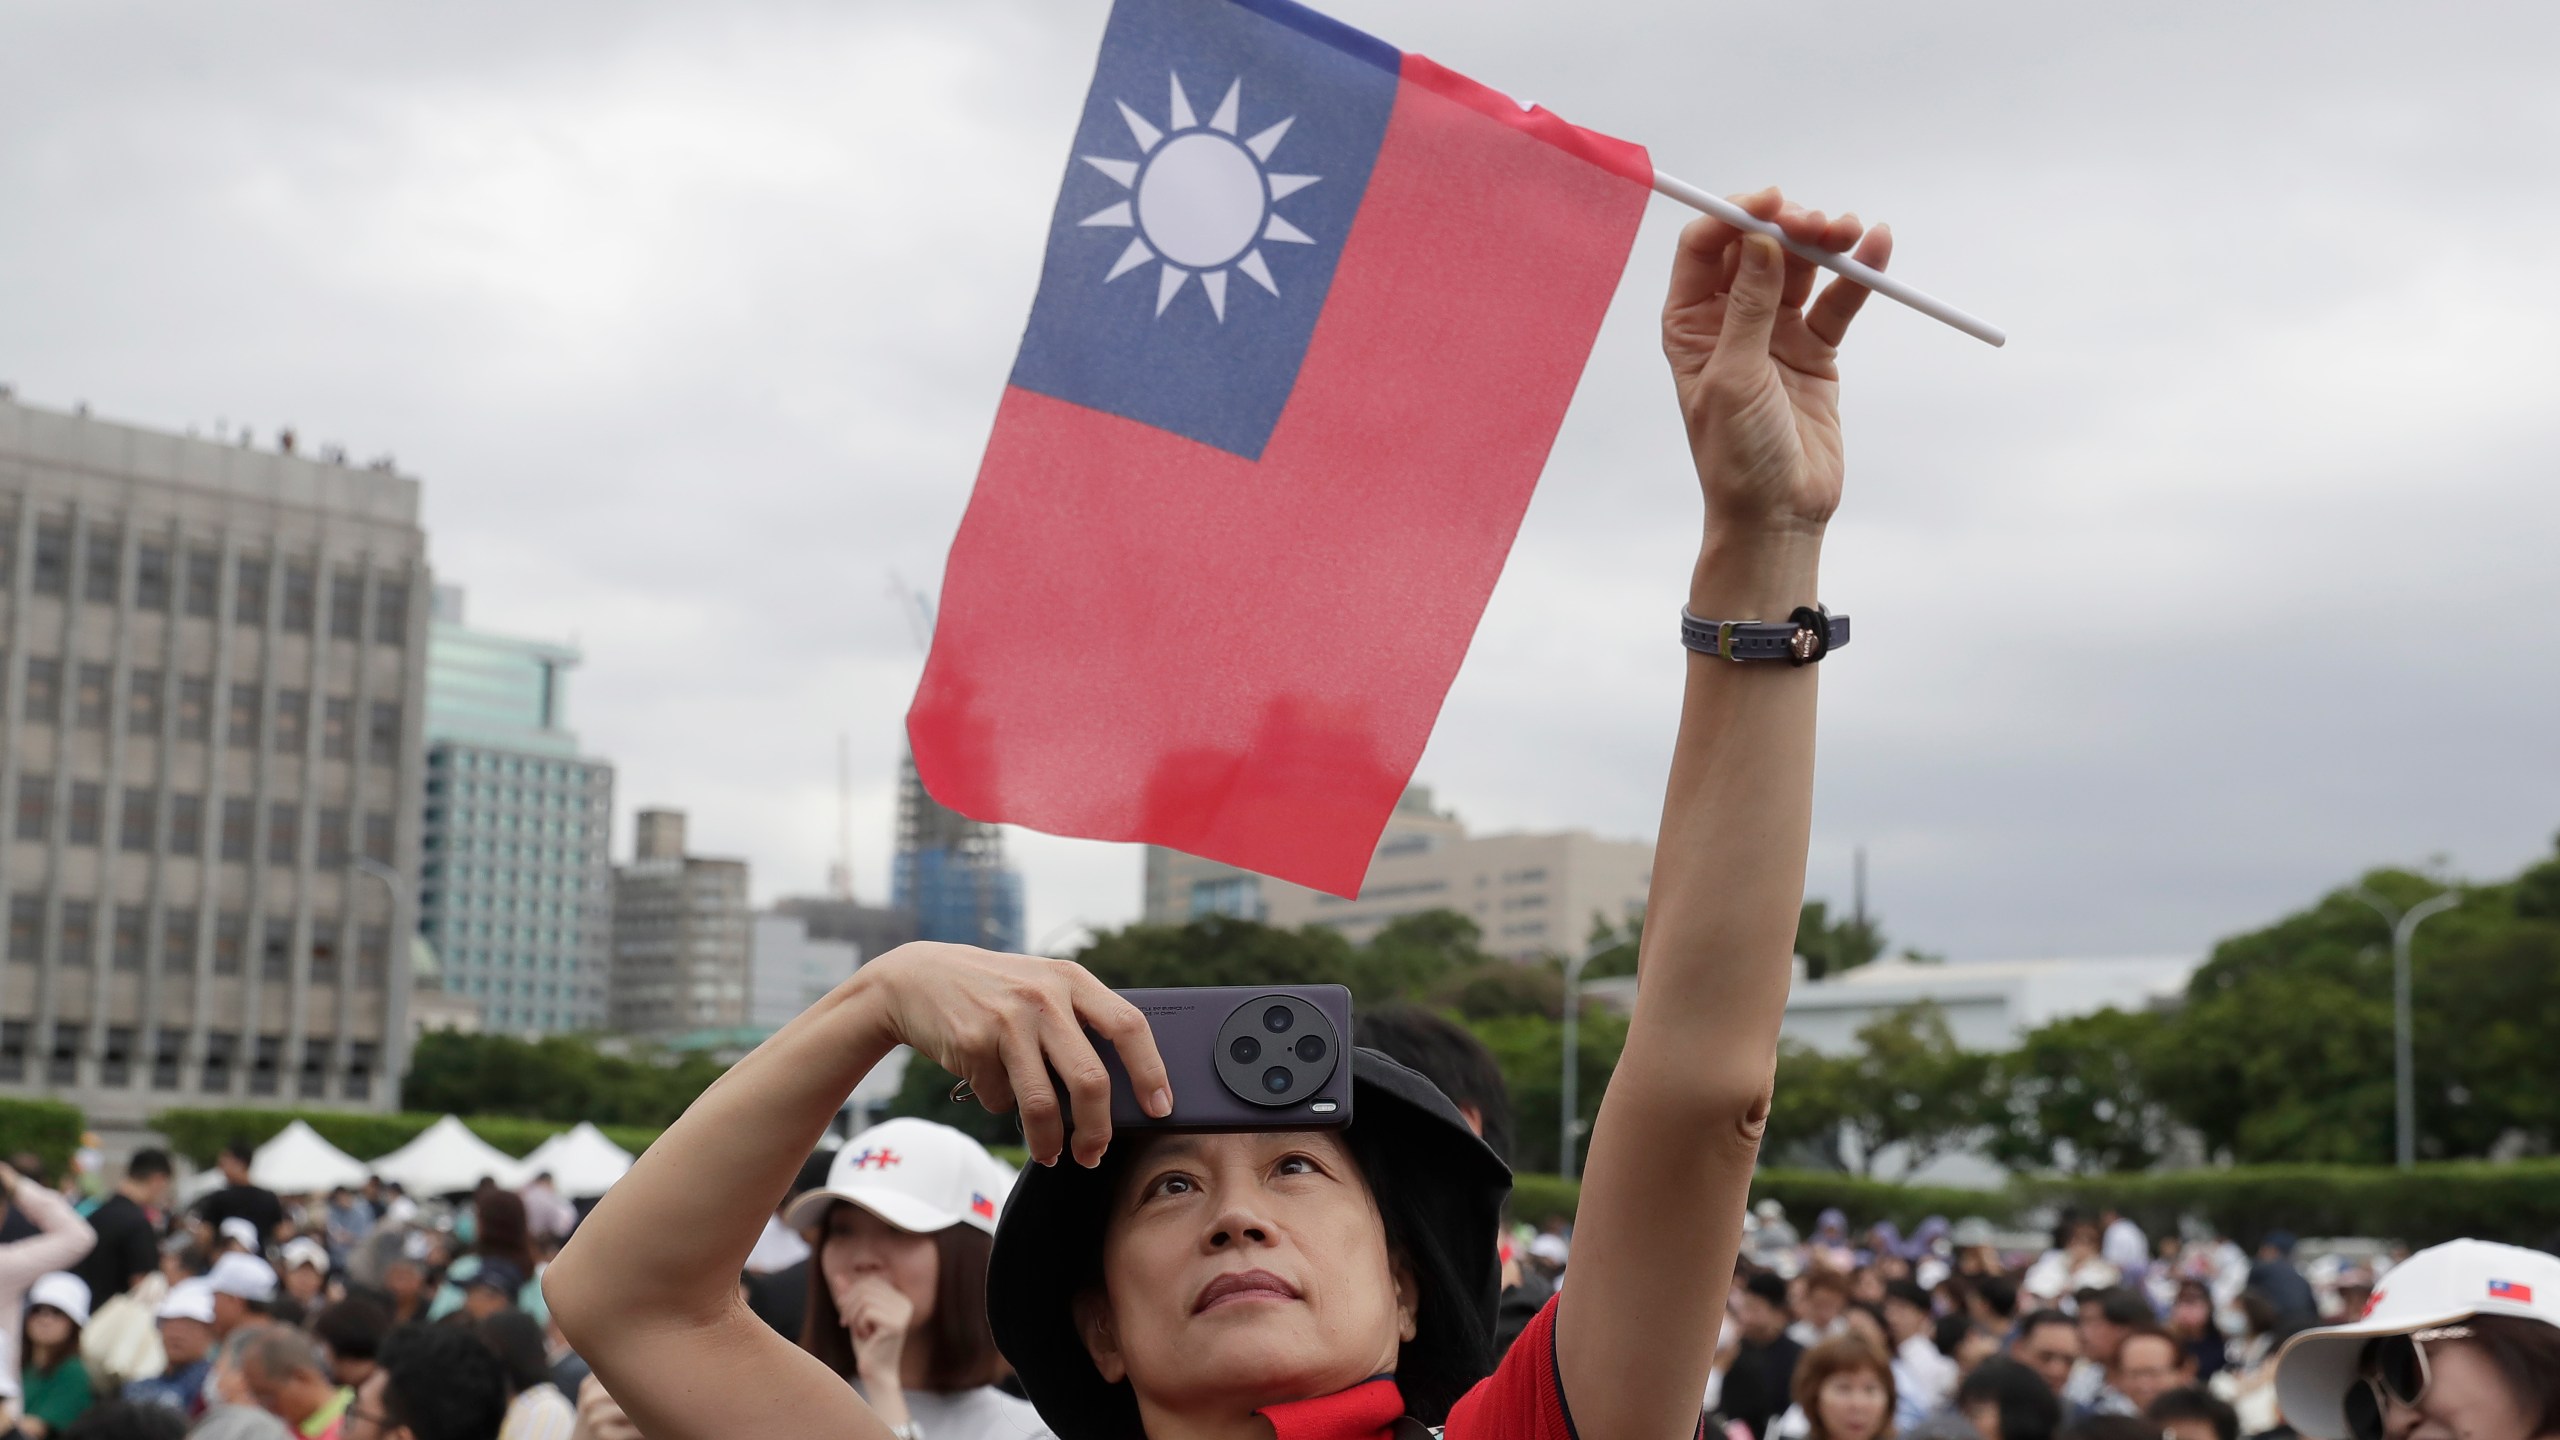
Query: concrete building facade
(793, 969)
(516, 892)
(682, 952)
(211, 686)
(1531, 895)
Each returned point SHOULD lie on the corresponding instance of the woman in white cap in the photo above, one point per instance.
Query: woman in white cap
(1338, 1284)
(898, 1297)
(306, 1272)
(2460, 1342)
(63, 1240)
(53, 1384)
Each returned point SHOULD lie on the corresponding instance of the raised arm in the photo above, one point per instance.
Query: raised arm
(64, 1239)
(647, 1291)
(1672, 1152)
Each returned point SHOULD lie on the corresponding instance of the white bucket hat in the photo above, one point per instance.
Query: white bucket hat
(915, 1174)
(303, 1250)
(242, 1232)
(2442, 1286)
(189, 1300)
(245, 1276)
(63, 1291)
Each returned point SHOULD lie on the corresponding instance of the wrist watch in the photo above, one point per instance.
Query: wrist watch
(1803, 638)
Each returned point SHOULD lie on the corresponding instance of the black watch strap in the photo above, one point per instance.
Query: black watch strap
(1803, 638)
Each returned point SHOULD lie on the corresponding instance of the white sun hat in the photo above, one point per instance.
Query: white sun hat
(2441, 1286)
(189, 1300)
(915, 1174)
(245, 1276)
(303, 1250)
(63, 1291)
(241, 1230)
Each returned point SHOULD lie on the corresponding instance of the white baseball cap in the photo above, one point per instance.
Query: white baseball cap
(915, 1174)
(189, 1300)
(303, 1250)
(241, 1230)
(2442, 1286)
(63, 1291)
(245, 1276)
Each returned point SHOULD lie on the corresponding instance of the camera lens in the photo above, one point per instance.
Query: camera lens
(1277, 1019)
(1310, 1048)
(1246, 1049)
(1277, 1079)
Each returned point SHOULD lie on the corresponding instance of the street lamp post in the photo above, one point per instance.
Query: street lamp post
(1568, 1162)
(2404, 928)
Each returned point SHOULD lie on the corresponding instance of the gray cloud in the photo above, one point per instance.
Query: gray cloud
(2224, 580)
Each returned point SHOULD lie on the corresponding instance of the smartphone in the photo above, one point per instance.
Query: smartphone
(1243, 1057)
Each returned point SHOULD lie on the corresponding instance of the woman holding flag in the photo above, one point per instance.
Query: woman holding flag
(1326, 1285)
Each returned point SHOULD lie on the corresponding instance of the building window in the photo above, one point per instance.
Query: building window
(195, 708)
(101, 585)
(219, 1053)
(230, 942)
(26, 929)
(53, 558)
(243, 720)
(151, 578)
(391, 613)
(377, 836)
(263, 1070)
(79, 931)
(301, 598)
(284, 832)
(133, 822)
(177, 942)
(64, 1069)
(249, 597)
(13, 1050)
(131, 947)
(142, 707)
(8, 548)
(35, 806)
(346, 606)
(89, 697)
(239, 830)
(324, 961)
(168, 1052)
(333, 838)
(382, 739)
(360, 1062)
(338, 729)
(204, 583)
(275, 957)
(44, 690)
(88, 812)
(115, 1063)
(186, 824)
(314, 1081)
(373, 955)
(293, 715)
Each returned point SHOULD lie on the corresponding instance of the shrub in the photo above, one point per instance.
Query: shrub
(49, 1128)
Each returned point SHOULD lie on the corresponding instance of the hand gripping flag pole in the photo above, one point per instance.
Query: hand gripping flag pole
(1839, 264)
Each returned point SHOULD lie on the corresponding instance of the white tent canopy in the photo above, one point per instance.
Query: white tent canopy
(447, 1158)
(582, 1162)
(298, 1162)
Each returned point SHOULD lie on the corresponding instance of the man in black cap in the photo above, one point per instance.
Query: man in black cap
(1760, 1384)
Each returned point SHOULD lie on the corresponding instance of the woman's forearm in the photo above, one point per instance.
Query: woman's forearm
(670, 1239)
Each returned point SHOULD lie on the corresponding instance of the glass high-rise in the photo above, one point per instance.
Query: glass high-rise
(516, 892)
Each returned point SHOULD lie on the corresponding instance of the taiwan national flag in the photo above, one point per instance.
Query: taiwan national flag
(1310, 316)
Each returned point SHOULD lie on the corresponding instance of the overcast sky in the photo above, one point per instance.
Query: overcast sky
(2232, 575)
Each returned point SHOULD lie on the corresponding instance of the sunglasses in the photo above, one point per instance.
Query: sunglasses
(2394, 1369)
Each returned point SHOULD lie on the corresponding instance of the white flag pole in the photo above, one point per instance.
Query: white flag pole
(1876, 280)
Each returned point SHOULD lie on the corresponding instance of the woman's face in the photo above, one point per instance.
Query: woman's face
(1852, 1405)
(1242, 1270)
(861, 1246)
(48, 1326)
(2468, 1399)
(303, 1283)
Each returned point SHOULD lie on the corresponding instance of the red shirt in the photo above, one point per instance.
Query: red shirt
(1523, 1399)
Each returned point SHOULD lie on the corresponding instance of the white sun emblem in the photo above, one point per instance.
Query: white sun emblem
(1201, 200)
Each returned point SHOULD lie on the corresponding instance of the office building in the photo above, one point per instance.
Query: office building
(212, 663)
(681, 949)
(1531, 895)
(870, 929)
(516, 893)
(792, 969)
(950, 872)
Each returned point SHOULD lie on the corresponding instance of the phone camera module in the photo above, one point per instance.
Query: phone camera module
(1277, 1019)
(1278, 1079)
(1246, 1049)
(1310, 1048)
(1278, 1052)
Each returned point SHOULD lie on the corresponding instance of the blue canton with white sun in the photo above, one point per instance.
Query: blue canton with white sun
(1216, 171)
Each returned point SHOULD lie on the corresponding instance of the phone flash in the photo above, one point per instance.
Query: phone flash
(1323, 1107)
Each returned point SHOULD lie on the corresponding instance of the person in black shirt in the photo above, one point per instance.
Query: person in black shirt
(128, 1242)
(1758, 1386)
(240, 1199)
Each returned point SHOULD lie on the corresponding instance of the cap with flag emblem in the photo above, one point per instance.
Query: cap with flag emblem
(915, 1174)
(2442, 1286)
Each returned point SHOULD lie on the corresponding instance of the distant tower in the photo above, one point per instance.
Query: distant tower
(950, 871)
(840, 874)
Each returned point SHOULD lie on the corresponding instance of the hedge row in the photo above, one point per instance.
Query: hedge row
(1806, 1194)
(48, 1128)
(200, 1134)
(2516, 1201)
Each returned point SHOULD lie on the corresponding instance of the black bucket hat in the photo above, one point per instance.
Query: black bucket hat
(1439, 1188)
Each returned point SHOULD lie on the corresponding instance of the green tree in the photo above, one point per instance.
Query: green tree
(561, 1077)
(925, 1092)
(1219, 950)
(2077, 1096)
(1530, 1050)
(1913, 1087)
(1412, 954)
(1831, 946)
(1810, 1109)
